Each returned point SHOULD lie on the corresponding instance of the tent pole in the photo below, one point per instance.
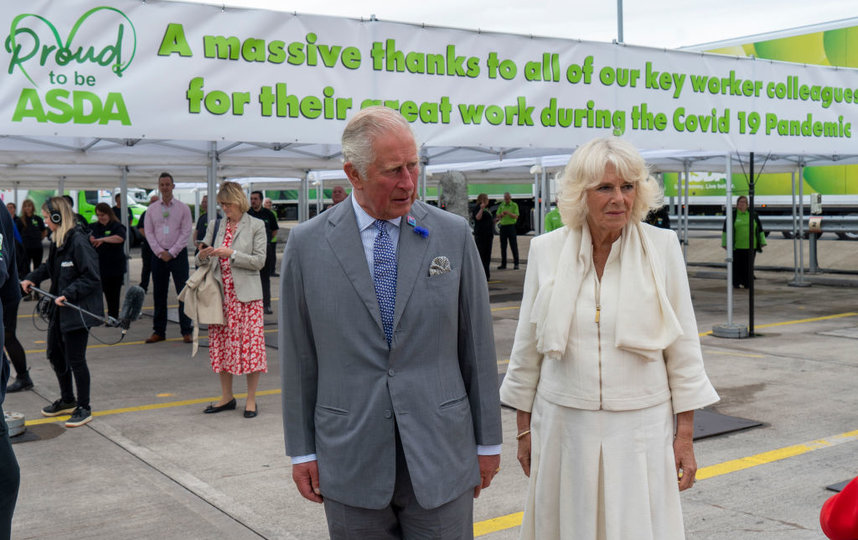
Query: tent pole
(798, 229)
(17, 183)
(303, 198)
(424, 162)
(61, 187)
(801, 221)
(794, 233)
(619, 21)
(731, 329)
(123, 196)
(211, 179)
(545, 200)
(686, 166)
(729, 241)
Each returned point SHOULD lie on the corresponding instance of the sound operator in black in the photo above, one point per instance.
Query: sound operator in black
(72, 267)
(107, 236)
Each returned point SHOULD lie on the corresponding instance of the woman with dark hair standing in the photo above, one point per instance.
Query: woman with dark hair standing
(72, 267)
(107, 236)
(33, 231)
(484, 231)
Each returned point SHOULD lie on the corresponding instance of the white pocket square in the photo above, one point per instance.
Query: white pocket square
(440, 265)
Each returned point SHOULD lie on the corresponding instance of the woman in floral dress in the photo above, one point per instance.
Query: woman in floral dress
(238, 346)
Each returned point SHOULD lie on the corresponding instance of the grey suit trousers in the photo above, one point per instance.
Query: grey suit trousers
(403, 518)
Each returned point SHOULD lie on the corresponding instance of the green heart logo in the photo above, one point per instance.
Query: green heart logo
(24, 44)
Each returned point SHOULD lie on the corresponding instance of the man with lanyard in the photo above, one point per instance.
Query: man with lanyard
(507, 215)
(168, 229)
(271, 228)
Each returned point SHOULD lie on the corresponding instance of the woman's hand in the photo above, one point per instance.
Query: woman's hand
(522, 420)
(524, 454)
(683, 450)
(222, 252)
(205, 252)
(25, 286)
(60, 300)
(686, 465)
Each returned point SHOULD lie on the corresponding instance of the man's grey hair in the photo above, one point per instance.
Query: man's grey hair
(364, 128)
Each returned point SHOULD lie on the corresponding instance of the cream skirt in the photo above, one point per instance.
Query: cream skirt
(602, 475)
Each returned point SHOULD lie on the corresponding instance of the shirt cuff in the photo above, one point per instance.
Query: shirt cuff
(297, 460)
(491, 450)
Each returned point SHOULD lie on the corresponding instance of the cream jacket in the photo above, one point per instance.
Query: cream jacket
(249, 243)
(593, 373)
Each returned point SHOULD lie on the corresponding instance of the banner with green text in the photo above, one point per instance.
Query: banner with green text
(161, 70)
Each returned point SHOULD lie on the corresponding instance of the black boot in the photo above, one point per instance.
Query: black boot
(21, 383)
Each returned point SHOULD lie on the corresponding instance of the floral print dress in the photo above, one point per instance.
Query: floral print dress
(238, 346)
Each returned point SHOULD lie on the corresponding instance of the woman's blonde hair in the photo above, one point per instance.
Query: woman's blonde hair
(231, 193)
(586, 169)
(67, 218)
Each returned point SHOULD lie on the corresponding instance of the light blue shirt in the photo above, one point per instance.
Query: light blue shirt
(367, 237)
(368, 232)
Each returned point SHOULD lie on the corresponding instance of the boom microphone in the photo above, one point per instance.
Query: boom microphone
(132, 307)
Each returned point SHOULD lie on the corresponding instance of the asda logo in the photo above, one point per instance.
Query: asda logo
(65, 70)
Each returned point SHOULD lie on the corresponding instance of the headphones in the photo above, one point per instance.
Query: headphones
(54, 215)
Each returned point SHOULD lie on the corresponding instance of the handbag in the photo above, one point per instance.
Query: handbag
(203, 297)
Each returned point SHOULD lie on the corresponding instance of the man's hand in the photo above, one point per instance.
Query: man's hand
(306, 477)
(25, 285)
(165, 256)
(489, 467)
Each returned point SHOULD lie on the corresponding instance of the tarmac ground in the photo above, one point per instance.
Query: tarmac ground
(151, 465)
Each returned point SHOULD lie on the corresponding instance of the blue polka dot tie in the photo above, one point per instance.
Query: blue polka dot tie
(384, 277)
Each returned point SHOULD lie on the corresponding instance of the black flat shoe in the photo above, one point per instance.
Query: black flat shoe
(251, 414)
(228, 406)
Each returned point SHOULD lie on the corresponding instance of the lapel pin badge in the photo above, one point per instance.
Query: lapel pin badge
(417, 230)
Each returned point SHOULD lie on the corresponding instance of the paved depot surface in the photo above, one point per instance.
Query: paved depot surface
(151, 465)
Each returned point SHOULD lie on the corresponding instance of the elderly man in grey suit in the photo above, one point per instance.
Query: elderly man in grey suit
(390, 386)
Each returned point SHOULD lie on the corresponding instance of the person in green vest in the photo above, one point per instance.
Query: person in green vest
(506, 216)
(744, 250)
(552, 220)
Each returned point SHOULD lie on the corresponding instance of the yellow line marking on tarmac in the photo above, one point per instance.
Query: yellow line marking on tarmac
(498, 524)
(150, 407)
(126, 343)
(797, 321)
(725, 353)
(514, 520)
(774, 455)
(505, 308)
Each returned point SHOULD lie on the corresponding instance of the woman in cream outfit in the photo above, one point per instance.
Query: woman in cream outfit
(606, 369)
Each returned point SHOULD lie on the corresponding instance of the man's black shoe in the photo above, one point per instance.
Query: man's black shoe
(267, 310)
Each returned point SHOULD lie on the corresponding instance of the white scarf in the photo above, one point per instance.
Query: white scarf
(646, 322)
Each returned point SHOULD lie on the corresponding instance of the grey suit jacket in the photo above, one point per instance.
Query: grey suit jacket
(249, 243)
(343, 389)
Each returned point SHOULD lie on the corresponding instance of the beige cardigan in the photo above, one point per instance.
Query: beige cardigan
(249, 243)
(594, 372)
